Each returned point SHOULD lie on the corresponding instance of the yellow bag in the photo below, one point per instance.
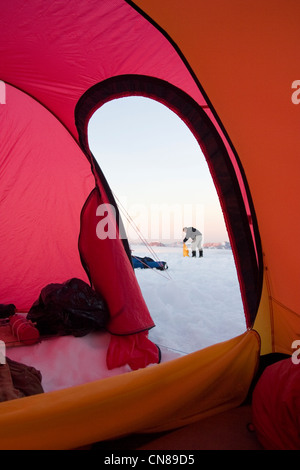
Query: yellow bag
(185, 250)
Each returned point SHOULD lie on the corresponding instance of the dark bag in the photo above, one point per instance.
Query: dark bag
(71, 308)
(19, 380)
(7, 310)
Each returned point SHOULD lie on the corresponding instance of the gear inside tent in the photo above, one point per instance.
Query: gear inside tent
(228, 70)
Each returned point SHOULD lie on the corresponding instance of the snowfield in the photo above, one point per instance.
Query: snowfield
(196, 302)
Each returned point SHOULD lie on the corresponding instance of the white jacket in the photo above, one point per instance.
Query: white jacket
(191, 233)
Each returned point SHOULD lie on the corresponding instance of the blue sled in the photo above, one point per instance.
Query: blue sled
(146, 263)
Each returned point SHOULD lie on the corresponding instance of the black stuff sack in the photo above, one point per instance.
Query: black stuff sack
(70, 308)
(7, 310)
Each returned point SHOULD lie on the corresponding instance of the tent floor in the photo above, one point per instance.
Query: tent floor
(225, 431)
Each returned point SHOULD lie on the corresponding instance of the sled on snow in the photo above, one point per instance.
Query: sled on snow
(147, 262)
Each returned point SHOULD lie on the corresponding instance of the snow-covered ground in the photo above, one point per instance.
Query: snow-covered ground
(194, 304)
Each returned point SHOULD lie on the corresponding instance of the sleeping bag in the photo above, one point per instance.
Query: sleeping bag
(276, 406)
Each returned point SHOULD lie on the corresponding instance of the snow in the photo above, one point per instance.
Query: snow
(195, 303)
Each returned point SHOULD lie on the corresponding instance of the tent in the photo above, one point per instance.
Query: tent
(228, 70)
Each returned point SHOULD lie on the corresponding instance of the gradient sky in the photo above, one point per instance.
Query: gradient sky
(156, 170)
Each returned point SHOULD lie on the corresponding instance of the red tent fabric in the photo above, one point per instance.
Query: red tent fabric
(276, 406)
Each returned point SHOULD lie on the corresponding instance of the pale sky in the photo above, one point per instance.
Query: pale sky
(156, 170)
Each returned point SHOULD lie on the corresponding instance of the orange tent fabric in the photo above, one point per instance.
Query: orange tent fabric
(155, 399)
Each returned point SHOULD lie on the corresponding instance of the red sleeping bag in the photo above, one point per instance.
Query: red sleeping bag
(276, 406)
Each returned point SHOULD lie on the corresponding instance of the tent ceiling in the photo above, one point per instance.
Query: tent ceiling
(51, 51)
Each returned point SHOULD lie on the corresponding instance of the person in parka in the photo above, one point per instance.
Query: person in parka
(196, 237)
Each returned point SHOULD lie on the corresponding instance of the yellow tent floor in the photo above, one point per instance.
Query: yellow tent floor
(224, 431)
